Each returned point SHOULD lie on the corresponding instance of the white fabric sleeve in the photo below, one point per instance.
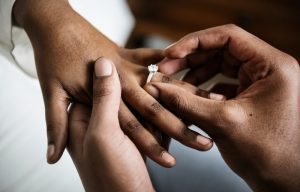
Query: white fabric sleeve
(6, 43)
(14, 42)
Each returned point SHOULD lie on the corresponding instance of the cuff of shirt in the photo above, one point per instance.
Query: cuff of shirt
(6, 43)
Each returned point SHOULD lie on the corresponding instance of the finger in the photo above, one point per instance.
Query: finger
(79, 116)
(56, 104)
(106, 97)
(197, 76)
(155, 113)
(228, 37)
(241, 46)
(143, 139)
(172, 65)
(211, 95)
(163, 139)
(145, 56)
(209, 39)
(159, 77)
(204, 69)
(204, 113)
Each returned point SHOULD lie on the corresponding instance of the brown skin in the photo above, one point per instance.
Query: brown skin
(65, 47)
(258, 131)
(105, 158)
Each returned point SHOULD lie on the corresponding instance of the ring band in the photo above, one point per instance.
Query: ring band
(152, 70)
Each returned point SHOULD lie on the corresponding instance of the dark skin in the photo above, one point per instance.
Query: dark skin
(264, 153)
(66, 47)
(105, 158)
(258, 131)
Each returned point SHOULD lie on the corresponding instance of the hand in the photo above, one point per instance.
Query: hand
(65, 47)
(257, 132)
(104, 156)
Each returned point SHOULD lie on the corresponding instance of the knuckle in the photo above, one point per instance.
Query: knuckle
(132, 126)
(232, 115)
(178, 103)
(156, 149)
(184, 133)
(291, 63)
(154, 109)
(53, 130)
(286, 67)
(186, 136)
(166, 79)
(99, 93)
(58, 95)
(53, 127)
(232, 27)
(131, 93)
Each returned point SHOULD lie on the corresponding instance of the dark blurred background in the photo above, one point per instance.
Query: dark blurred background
(277, 22)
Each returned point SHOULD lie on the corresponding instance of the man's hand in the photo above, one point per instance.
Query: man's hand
(65, 47)
(257, 132)
(104, 156)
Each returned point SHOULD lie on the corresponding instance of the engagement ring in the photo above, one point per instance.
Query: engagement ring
(152, 70)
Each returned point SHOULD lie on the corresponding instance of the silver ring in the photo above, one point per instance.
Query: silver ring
(152, 70)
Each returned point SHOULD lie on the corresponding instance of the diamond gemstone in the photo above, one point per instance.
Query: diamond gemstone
(152, 68)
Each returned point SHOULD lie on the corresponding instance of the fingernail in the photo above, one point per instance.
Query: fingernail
(103, 67)
(217, 97)
(153, 91)
(50, 152)
(168, 158)
(203, 141)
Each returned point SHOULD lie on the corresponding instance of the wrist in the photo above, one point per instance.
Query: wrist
(29, 11)
(52, 23)
(41, 18)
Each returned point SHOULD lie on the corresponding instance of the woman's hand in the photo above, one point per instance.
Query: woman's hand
(104, 156)
(65, 47)
(258, 131)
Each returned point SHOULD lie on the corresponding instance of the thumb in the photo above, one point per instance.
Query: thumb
(56, 104)
(106, 96)
(205, 113)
